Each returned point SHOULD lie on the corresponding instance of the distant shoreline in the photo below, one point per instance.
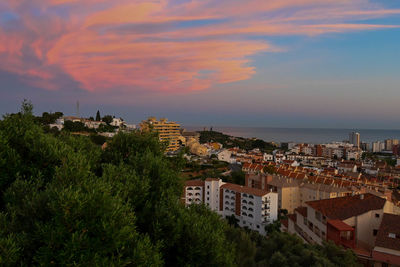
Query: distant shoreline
(301, 135)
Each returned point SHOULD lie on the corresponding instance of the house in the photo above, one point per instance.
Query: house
(346, 167)
(268, 157)
(226, 156)
(117, 122)
(352, 222)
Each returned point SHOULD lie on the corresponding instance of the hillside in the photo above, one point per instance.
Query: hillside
(232, 141)
(65, 201)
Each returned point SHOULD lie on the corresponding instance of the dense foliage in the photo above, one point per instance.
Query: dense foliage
(231, 141)
(65, 201)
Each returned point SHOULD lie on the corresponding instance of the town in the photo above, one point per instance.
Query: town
(343, 192)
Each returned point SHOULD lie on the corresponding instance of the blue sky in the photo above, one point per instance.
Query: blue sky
(275, 64)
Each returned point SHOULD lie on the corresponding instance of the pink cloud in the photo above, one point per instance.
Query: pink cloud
(103, 45)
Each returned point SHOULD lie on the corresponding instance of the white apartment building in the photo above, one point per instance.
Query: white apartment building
(253, 208)
(376, 147)
(226, 156)
(268, 157)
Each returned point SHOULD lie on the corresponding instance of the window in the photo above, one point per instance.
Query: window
(318, 215)
(197, 188)
(305, 221)
(375, 232)
(392, 235)
(258, 226)
(250, 215)
(376, 215)
(208, 187)
(208, 193)
(208, 198)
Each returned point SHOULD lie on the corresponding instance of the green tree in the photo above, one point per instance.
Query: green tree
(98, 118)
(107, 119)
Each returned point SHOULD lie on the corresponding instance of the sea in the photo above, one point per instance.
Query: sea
(302, 135)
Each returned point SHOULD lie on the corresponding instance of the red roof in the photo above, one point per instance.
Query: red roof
(302, 211)
(246, 165)
(390, 224)
(292, 217)
(212, 179)
(285, 223)
(339, 225)
(194, 183)
(346, 207)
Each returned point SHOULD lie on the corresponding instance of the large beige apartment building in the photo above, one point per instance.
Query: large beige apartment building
(168, 132)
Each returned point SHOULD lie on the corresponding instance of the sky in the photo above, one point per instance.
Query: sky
(276, 63)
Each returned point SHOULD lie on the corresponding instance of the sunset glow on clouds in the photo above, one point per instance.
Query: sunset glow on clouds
(165, 45)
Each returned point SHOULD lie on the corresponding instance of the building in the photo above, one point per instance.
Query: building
(354, 138)
(168, 132)
(386, 251)
(226, 156)
(117, 122)
(253, 208)
(352, 222)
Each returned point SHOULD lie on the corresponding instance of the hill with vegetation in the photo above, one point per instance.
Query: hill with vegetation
(232, 141)
(66, 202)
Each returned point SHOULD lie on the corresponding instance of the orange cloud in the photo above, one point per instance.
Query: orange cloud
(161, 45)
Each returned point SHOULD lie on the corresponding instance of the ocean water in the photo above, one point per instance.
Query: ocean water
(303, 135)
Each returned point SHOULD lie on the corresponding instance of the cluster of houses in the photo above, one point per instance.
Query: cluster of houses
(118, 123)
(340, 202)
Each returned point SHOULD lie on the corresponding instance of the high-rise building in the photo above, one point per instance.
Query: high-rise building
(168, 132)
(354, 138)
(389, 143)
(376, 146)
(365, 146)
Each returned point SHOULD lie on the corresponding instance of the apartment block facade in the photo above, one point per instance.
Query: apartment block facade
(168, 132)
(253, 208)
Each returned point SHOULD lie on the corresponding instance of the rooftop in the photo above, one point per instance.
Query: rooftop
(194, 183)
(302, 211)
(346, 207)
(389, 232)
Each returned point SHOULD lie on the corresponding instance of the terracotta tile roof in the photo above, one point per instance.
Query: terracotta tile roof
(292, 217)
(246, 165)
(346, 207)
(302, 211)
(194, 183)
(301, 176)
(341, 226)
(285, 223)
(390, 224)
(244, 189)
